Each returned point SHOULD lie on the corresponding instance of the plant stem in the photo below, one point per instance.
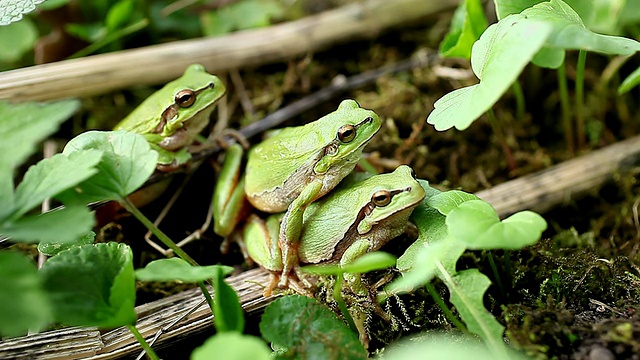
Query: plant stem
(497, 129)
(496, 274)
(207, 297)
(445, 309)
(157, 232)
(582, 59)
(566, 115)
(517, 92)
(337, 295)
(143, 342)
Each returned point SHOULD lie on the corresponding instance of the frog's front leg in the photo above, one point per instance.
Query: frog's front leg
(291, 228)
(354, 251)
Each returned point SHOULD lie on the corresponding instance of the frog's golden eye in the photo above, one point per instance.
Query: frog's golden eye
(346, 133)
(185, 98)
(413, 174)
(381, 198)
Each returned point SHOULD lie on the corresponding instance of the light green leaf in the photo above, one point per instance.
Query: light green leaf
(178, 269)
(304, 326)
(505, 8)
(232, 346)
(119, 14)
(57, 226)
(17, 39)
(24, 125)
(53, 175)
(630, 82)
(240, 15)
(449, 200)
(467, 290)
(52, 248)
(497, 58)
(24, 303)
(467, 25)
(476, 224)
(376, 260)
(227, 310)
(127, 162)
(92, 285)
(570, 33)
(12, 10)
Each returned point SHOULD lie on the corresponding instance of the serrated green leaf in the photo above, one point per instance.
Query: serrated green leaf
(58, 226)
(305, 326)
(227, 310)
(24, 303)
(630, 82)
(569, 31)
(12, 10)
(53, 175)
(92, 285)
(232, 346)
(24, 125)
(497, 59)
(467, 25)
(52, 248)
(180, 270)
(17, 39)
(127, 162)
(476, 224)
(467, 290)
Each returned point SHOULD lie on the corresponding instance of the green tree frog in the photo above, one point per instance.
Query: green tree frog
(173, 116)
(293, 168)
(355, 218)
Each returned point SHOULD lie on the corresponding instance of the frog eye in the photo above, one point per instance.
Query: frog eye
(413, 173)
(381, 198)
(346, 133)
(185, 98)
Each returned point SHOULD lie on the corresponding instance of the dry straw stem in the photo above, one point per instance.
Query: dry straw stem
(159, 63)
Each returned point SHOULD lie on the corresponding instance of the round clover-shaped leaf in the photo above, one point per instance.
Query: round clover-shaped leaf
(476, 224)
(232, 346)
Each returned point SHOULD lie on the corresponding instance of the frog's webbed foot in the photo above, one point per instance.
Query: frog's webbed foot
(296, 280)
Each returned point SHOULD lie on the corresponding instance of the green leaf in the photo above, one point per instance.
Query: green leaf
(304, 326)
(497, 58)
(376, 260)
(52, 4)
(53, 175)
(449, 200)
(240, 15)
(58, 226)
(569, 31)
(178, 269)
(119, 14)
(126, 164)
(505, 8)
(232, 346)
(467, 290)
(24, 303)
(227, 310)
(24, 125)
(52, 248)
(466, 27)
(92, 285)
(630, 82)
(12, 10)
(476, 224)
(16, 40)
(444, 346)
(424, 267)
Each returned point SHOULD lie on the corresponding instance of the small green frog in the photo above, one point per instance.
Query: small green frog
(291, 169)
(355, 218)
(173, 116)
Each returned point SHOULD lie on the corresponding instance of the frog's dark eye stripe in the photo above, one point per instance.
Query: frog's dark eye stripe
(185, 98)
(346, 133)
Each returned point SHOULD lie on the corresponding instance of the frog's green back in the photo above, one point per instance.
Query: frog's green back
(271, 162)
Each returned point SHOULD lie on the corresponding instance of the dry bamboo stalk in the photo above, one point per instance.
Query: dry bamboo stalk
(541, 191)
(157, 64)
